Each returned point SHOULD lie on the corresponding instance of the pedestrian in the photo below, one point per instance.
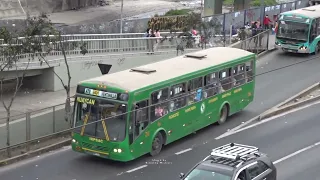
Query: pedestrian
(266, 22)
(151, 41)
(146, 34)
(158, 36)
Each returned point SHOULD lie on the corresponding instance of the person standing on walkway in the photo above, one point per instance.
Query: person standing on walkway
(266, 22)
(151, 41)
(158, 36)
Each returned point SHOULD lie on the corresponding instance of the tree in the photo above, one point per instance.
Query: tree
(55, 43)
(16, 45)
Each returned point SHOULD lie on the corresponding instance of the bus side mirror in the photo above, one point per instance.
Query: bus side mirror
(181, 175)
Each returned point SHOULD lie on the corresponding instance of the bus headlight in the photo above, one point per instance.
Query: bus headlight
(303, 48)
(117, 150)
(74, 141)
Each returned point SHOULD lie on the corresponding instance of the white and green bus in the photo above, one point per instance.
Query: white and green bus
(298, 30)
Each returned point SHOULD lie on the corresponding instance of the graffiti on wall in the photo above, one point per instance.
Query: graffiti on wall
(90, 63)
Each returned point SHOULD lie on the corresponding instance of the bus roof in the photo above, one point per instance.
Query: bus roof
(311, 12)
(168, 69)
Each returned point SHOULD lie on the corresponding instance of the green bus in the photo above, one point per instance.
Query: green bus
(298, 30)
(127, 114)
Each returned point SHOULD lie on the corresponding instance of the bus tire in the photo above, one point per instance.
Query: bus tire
(157, 144)
(223, 114)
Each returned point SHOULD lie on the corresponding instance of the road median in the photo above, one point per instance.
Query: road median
(306, 96)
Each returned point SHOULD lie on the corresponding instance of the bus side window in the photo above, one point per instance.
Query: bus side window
(318, 26)
(159, 104)
(313, 31)
(249, 71)
(195, 90)
(177, 96)
(225, 79)
(240, 74)
(212, 84)
(141, 117)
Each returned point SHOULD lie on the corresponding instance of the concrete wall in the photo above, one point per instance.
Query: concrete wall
(86, 68)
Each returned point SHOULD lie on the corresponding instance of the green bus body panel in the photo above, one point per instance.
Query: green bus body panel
(179, 123)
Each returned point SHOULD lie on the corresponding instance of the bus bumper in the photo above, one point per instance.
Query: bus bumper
(300, 51)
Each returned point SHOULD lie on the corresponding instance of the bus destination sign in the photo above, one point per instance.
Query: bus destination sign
(103, 94)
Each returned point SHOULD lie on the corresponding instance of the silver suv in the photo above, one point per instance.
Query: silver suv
(233, 162)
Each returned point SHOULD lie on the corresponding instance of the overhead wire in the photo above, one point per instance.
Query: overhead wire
(184, 95)
(194, 91)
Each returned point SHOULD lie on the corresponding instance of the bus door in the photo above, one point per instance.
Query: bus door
(195, 98)
(140, 123)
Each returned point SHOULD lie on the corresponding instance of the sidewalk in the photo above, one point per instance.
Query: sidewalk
(30, 101)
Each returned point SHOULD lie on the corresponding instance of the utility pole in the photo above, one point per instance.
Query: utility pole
(121, 17)
(262, 11)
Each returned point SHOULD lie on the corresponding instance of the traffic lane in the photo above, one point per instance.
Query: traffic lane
(65, 164)
(278, 138)
(75, 162)
(92, 164)
(303, 166)
(275, 87)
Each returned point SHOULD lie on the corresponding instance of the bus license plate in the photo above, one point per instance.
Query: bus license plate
(290, 50)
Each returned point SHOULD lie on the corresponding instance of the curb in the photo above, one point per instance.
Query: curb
(35, 152)
(265, 53)
(280, 108)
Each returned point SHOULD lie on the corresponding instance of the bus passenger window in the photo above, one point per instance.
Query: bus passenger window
(141, 117)
(211, 84)
(249, 71)
(177, 96)
(240, 75)
(159, 104)
(225, 79)
(195, 90)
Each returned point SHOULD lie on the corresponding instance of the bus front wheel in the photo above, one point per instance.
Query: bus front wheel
(157, 144)
(223, 114)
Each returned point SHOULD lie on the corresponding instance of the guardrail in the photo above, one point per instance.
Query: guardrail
(26, 135)
(119, 45)
(96, 36)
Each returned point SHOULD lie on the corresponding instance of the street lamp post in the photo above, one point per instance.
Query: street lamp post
(261, 10)
(121, 18)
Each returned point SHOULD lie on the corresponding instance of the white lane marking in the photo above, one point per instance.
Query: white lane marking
(183, 151)
(296, 153)
(137, 168)
(229, 133)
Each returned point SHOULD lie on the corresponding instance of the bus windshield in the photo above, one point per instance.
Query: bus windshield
(293, 31)
(113, 124)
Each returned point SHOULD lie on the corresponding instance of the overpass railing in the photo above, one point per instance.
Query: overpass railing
(95, 36)
(26, 136)
(119, 45)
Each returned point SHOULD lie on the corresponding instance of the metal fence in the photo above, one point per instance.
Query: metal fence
(255, 44)
(47, 126)
(116, 46)
(140, 25)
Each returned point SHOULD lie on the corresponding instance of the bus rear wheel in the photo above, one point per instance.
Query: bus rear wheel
(157, 144)
(223, 114)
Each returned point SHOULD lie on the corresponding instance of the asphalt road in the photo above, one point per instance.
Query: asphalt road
(271, 89)
(280, 138)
